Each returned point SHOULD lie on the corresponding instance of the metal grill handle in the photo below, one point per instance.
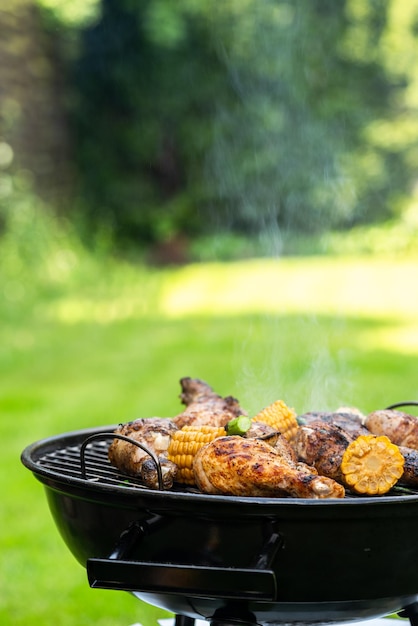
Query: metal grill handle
(400, 404)
(186, 580)
(123, 438)
(257, 582)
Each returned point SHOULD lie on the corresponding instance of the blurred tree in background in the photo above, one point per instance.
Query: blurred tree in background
(173, 119)
(34, 133)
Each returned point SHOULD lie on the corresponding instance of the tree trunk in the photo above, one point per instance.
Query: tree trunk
(32, 116)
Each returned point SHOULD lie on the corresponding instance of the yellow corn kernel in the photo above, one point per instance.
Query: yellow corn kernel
(372, 465)
(184, 445)
(280, 417)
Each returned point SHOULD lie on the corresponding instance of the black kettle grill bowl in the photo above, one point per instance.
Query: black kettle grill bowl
(279, 560)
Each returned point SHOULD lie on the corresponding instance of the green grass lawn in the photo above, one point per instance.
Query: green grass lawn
(108, 343)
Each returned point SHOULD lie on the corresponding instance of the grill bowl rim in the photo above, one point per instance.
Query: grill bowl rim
(32, 453)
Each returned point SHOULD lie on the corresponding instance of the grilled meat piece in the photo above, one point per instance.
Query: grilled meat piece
(204, 407)
(400, 427)
(149, 473)
(288, 454)
(349, 420)
(322, 445)
(155, 434)
(260, 430)
(250, 467)
(410, 469)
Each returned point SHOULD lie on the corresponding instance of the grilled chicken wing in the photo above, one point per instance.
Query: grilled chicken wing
(204, 407)
(154, 433)
(400, 427)
(249, 467)
(322, 445)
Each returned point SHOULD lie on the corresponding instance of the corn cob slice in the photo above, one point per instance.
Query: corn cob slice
(372, 465)
(280, 417)
(184, 445)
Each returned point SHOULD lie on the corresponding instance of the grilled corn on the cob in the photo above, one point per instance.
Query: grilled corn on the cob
(184, 445)
(372, 464)
(280, 417)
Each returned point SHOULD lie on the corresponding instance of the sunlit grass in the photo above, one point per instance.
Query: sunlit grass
(345, 287)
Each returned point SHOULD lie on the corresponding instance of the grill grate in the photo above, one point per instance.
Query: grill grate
(66, 462)
(98, 469)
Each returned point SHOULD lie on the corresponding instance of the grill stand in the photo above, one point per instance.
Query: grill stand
(183, 620)
(410, 612)
(219, 620)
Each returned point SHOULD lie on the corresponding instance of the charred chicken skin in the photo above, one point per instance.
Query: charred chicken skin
(322, 445)
(250, 467)
(349, 420)
(204, 407)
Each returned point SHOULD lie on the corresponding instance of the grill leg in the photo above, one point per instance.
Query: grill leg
(233, 616)
(183, 620)
(411, 612)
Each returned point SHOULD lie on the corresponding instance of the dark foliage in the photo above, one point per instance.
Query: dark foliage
(142, 120)
(192, 117)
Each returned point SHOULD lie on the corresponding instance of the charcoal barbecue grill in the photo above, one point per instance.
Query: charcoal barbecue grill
(232, 561)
